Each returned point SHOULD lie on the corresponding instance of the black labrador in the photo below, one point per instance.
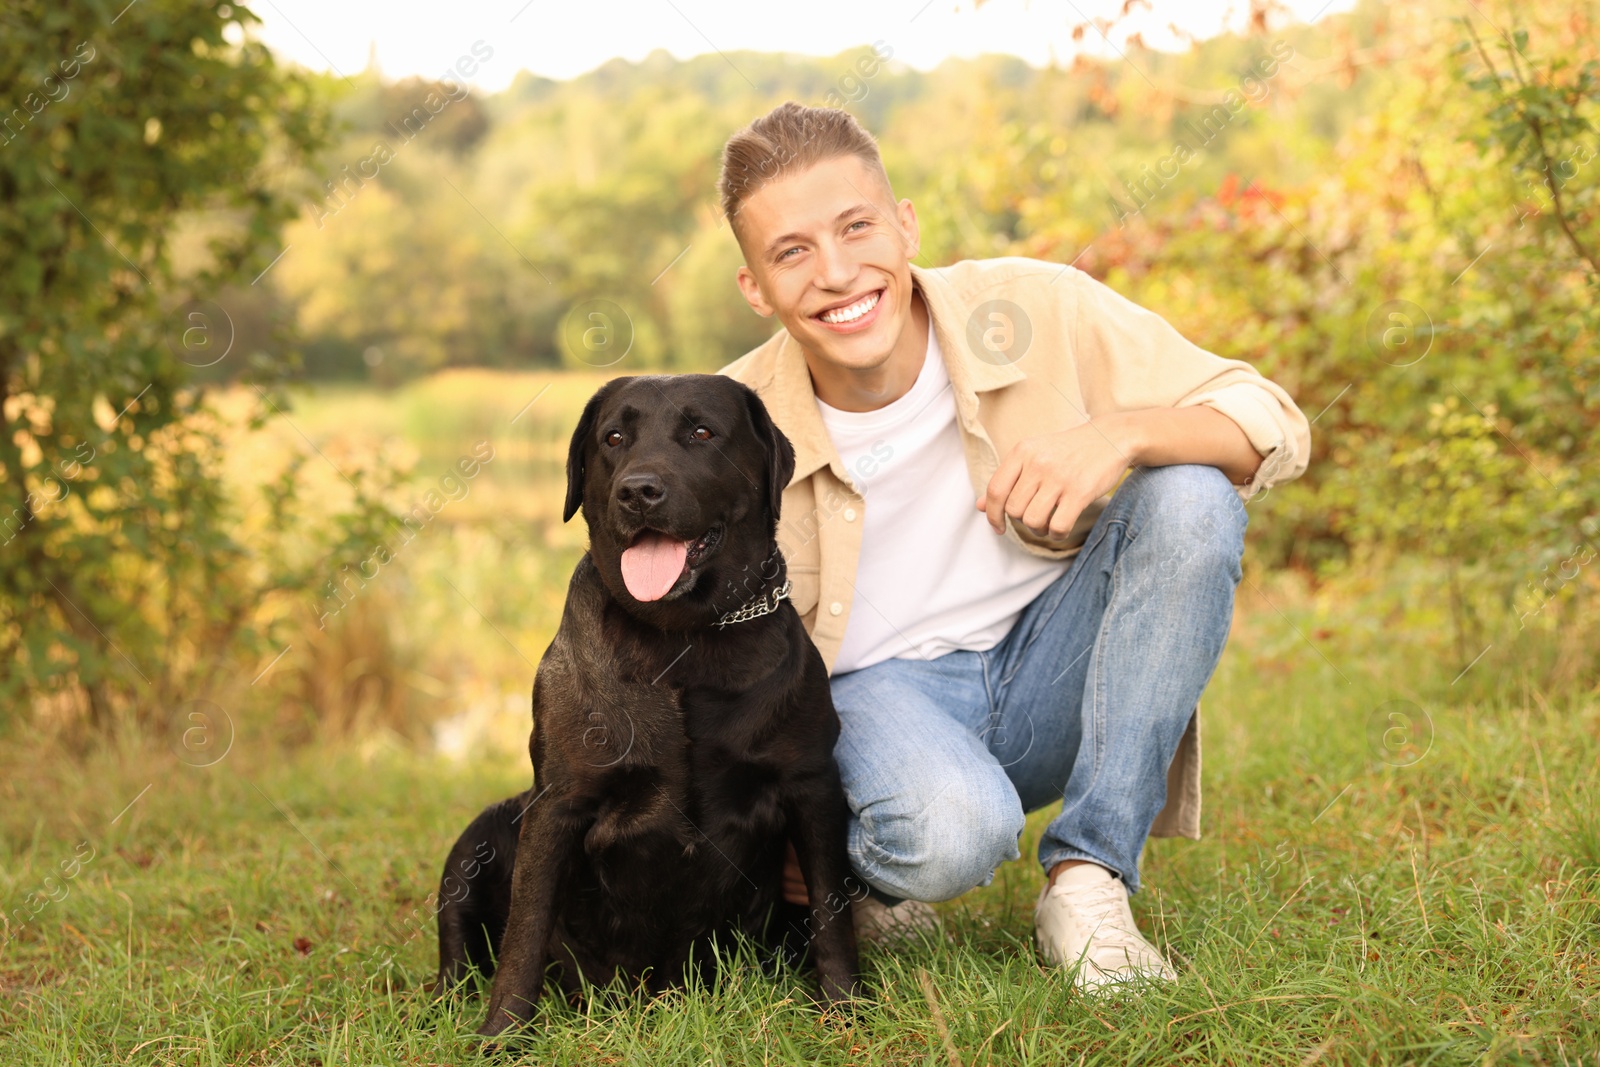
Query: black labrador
(683, 730)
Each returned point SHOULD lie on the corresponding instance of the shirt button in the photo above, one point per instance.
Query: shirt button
(835, 608)
(849, 514)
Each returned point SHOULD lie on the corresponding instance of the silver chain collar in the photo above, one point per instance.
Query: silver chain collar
(765, 605)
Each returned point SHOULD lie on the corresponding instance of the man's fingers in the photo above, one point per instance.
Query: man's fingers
(1065, 518)
(1023, 495)
(1036, 512)
(1000, 487)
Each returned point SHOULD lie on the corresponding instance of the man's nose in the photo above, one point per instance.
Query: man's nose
(641, 491)
(836, 269)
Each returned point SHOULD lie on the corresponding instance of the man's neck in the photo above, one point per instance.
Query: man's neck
(850, 389)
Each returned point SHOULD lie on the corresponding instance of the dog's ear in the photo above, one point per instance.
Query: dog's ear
(578, 449)
(780, 453)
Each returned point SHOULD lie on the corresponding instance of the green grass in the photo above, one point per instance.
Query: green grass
(1369, 890)
(1340, 910)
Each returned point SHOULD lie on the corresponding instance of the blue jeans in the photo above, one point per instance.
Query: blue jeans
(1084, 701)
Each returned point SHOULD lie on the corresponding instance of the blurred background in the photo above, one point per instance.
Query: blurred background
(293, 301)
(260, 302)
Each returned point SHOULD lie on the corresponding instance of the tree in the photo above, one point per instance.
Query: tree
(142, 159)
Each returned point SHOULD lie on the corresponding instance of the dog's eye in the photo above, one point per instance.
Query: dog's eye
(614, 438)
(701, 433)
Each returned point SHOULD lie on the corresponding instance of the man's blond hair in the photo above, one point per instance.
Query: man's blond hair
(790, 137)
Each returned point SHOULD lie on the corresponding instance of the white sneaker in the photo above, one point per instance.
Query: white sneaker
(1084, 917)
(904, 924)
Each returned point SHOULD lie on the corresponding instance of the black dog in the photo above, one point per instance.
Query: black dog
(683, 728)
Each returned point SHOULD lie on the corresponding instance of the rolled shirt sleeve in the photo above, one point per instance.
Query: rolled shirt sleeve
(1130, 359)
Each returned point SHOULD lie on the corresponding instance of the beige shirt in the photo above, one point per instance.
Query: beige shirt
(1031, 347)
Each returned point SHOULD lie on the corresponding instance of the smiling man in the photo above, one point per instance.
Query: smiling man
(1001, 630)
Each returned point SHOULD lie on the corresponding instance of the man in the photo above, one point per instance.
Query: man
(977, 676)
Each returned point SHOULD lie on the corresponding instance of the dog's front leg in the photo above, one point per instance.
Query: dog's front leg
(818, 820)
(544, 849)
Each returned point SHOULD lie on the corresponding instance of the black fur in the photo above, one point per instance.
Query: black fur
(672, 759)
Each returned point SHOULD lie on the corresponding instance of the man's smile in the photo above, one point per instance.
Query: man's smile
(852, 315)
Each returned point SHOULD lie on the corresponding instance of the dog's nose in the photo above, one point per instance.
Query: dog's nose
(640, 492)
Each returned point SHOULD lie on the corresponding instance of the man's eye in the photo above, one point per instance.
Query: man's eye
(614, 438)
(702, 433)
(859, 222)
(788, 251)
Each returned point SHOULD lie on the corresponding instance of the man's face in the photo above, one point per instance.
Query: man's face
(828, 251)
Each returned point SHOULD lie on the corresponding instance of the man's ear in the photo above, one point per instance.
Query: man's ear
(780, 453)
(906, 215)
(578, 450)
(751, 290)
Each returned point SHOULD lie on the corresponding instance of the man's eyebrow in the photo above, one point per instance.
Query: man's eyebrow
(853, 209)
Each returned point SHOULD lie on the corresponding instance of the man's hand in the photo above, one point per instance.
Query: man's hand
(1046, 481)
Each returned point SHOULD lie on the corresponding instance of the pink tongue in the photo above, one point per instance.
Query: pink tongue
(652, 565)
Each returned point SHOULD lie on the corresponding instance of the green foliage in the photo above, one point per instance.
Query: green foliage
(132, 136)
(1516, 327)
(1397, 220)
(592, 189)
(1430, 297)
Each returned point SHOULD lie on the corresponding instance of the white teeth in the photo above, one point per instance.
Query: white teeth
(851, 313)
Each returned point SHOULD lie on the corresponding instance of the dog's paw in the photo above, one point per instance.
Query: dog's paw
(495, 1046)
(497, 1023)
(501, 1033)
(845, 996)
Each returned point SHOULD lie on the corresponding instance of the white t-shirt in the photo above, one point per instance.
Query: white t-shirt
(933, 575)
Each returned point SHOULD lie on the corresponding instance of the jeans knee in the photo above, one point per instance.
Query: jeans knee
(941, 849)
(1192, 517)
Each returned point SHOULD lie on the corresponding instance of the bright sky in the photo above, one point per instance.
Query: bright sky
(563, 38)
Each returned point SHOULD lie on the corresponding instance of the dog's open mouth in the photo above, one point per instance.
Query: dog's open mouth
(654, 561)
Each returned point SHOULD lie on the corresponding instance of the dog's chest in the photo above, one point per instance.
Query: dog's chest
(703, 784)
(734, 779)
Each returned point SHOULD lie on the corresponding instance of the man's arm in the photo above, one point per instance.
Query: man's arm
(1161, 437)
(1046, 481)
(1153, 398)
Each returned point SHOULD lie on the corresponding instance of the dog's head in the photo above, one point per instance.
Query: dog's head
(680, 479)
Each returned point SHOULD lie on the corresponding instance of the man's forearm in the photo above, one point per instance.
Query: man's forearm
(1161, 437)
